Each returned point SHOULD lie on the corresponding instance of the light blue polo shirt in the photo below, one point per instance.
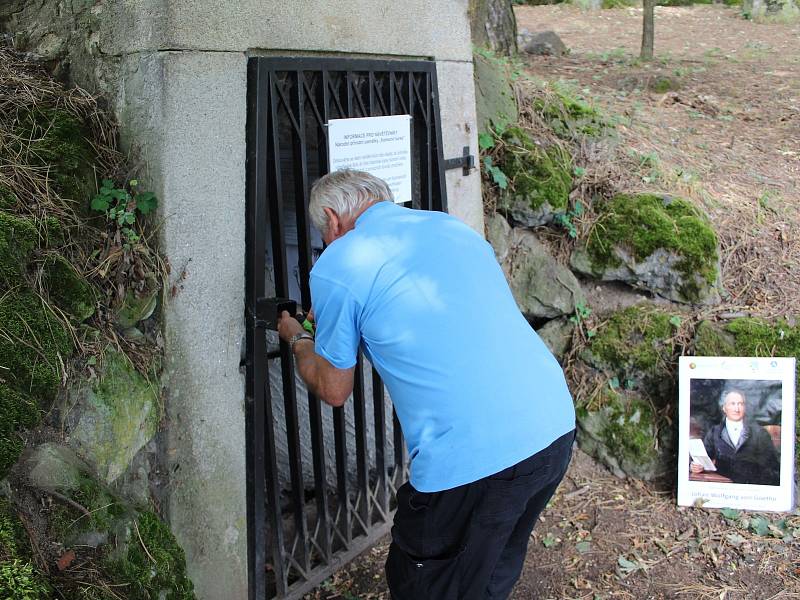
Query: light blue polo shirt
(474, 387)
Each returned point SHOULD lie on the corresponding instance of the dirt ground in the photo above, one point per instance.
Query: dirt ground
(727, 135)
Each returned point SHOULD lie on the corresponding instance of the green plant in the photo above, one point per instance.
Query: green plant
(495, 172)
(121, 205)
(566, 219)
(582, 312)
(20, 581)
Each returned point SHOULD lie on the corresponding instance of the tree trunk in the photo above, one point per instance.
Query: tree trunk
(493, 25)
(648, 29)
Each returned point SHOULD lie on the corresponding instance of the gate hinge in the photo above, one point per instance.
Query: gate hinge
(466, 161)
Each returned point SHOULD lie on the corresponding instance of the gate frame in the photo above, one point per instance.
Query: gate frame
(261, 462)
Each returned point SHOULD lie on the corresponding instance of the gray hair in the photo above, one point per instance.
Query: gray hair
(730, 391)
(344, 192)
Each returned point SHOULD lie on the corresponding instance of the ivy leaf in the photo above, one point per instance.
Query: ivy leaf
(133, 183)
(675, 321)
(130, 218)
(591, 333)
(146, 202)
(100, 203)
(578, 210)
(579, 171)
(119, 194)
(613, 383)
(485, 141)
(549, 540)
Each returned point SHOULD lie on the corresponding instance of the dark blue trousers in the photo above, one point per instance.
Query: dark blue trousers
(469, 542)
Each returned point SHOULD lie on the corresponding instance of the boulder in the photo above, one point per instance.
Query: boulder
(110, 419)
(557, 336)
(653, 242)
(542, 287)
(624, 434)
(540, 179)
(137, 306)
(541, 43)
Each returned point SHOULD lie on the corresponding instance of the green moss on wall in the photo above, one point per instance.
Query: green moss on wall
(161, 567)
(68, 289)
(630, 432)
(537, 176)
(58, 141)
(33, 345)
(646, 223)
(18, 238)
(637, 338)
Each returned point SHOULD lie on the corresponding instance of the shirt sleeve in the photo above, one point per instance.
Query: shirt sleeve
(337, 315)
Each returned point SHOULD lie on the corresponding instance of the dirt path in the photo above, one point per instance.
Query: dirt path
(729, 138)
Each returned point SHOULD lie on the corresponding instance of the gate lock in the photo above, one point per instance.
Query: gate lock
(269, 310)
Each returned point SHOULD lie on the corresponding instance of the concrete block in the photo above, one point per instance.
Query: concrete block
(459, 129)
(186, 112)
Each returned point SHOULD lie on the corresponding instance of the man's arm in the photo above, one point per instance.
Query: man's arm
(325, 381)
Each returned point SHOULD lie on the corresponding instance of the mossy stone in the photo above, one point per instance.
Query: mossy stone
(635, 344)
(18, 238)
(112, 418)
(136, 308)
(570, 117)
(58, 141)
(625, 434)
(540, 180)
(640, 228)
(157, 572)
(68, 289)
(34, 345)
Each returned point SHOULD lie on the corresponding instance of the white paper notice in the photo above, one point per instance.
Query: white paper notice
(380, 146)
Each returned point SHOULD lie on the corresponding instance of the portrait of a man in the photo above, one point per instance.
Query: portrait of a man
(741, 450)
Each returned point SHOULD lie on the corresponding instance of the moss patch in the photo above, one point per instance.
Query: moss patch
(19, 579)
(571, 117)
(630, 433)
(17, 410)
(537, 176)
(33, 345)
(8, 199)
(646, 223)
(159, 568)
(58, 141)
(635, 342)
(68, 289)
(18, 238)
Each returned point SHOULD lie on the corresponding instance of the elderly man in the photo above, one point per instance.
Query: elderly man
(741, 450)
(483, 405)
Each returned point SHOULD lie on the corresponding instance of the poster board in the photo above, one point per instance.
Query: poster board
(736, 433)
(380, 146)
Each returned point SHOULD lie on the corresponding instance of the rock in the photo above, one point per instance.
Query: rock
(109, 420)
(625, 435)
(557, 335)
(542, 287)
(540, 179)
(137, 308)
(542, 43)
(658, 243)
(496, 103)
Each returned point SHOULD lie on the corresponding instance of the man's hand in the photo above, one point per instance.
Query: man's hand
(324, 380)
(696, 467)
(288, 326)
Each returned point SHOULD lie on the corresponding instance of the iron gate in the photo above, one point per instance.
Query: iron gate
(298, 533)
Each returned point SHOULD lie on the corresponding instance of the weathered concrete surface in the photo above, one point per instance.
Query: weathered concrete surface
(459, 129)
(187, 112)
(410, 28)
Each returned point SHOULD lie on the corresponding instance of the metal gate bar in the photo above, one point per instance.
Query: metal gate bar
(299, 533)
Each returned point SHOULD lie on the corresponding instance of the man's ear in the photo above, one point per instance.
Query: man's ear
(334, 223)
